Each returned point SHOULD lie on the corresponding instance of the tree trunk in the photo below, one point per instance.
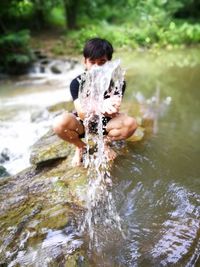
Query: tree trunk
(71, 11)
(39, 16)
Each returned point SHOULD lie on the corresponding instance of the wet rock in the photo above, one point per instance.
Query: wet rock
(60, 66)
(49, 147)
(42, 69)
(37, 204)
(4, 156)
(39, 54)
(77, 260)
(73, 63)
(138, 135)
(69, 106)
(45, 61)
(3, 172)
(56, 69)
(40, 115)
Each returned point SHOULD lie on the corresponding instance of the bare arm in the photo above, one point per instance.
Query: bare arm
(111, 106)
(79, 109)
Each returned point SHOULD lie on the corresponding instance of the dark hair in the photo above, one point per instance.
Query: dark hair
(96, 48)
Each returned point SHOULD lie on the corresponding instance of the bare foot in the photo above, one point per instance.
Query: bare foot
(78, 157)
(110, 153)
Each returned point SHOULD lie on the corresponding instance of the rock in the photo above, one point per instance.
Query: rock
(49, 147)
(138, 135)
(69, 106)
(42, 69)
(41, 204)
(40, 115)
(4, 156)
(38, 206)
(56, 69)
(3, 172)
(77, 260)
(45, 61)
(39, 54)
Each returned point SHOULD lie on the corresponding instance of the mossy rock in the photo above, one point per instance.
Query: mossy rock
(78, 259)
(37, 201)
(49, 147)
(69, 106)
(138, 135)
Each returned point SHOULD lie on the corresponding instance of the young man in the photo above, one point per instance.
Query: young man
(118, 126)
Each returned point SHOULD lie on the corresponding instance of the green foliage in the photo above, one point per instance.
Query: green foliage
(126, 23)
(56, 17)
(136, 23)
(17, 55)
(146, 35)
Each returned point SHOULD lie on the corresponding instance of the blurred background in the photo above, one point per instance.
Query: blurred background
(62, 26)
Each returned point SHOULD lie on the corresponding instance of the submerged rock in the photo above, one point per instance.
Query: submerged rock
(3, 171)
(5, 155)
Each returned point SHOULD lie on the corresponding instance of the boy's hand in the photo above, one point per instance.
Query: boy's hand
(111, 105)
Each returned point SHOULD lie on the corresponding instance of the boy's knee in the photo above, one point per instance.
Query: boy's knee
(131, 126)
(61, 123)
(57, 125)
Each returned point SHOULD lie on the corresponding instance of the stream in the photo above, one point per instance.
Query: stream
(23, 111)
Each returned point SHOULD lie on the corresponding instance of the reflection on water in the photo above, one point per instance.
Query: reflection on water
(55, 247)
(155, 182)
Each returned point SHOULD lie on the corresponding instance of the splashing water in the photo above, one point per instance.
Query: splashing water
(101, 211)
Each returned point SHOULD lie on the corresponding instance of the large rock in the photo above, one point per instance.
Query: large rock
(38, 205)
(69, 106)
(49, 147)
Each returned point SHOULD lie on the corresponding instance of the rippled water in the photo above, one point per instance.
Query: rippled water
(156, 182)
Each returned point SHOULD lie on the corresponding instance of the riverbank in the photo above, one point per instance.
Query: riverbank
(58, 44)
(54, 44)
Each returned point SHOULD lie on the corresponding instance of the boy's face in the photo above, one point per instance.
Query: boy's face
(90, 62)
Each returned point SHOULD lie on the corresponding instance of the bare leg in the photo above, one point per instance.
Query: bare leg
(68, 127)
(109, 152)
(119, 128)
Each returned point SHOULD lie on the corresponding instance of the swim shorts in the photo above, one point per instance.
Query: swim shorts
(93, 124)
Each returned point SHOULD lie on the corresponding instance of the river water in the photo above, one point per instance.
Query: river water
(156, 182)
(24, 115)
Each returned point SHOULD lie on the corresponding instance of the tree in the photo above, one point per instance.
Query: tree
(71, 9)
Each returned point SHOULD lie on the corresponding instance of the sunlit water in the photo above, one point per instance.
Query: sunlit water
(156, 182)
